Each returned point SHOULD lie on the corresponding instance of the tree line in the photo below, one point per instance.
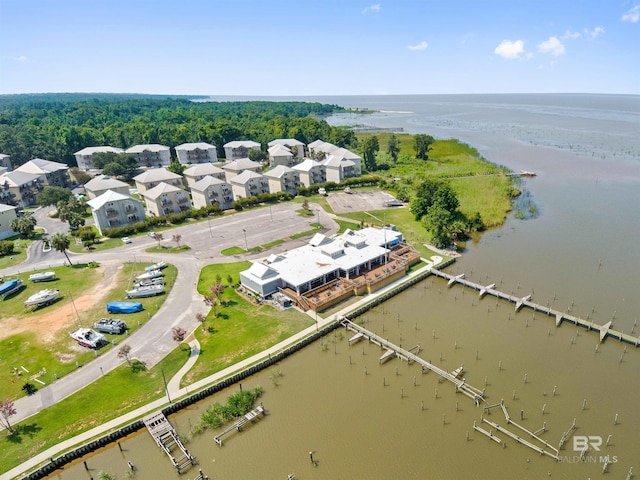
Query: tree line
(55, 126)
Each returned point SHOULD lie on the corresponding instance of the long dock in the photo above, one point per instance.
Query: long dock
(241, 422)
(604, 331)
(392, 350)
(168, 440)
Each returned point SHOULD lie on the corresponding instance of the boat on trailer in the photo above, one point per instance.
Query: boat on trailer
(42, 298)
(124, 307)
(88, 338)
(150, 274)
(9, 287)
(156, 266)
(42, 277)
(146, 291)
(151, 281)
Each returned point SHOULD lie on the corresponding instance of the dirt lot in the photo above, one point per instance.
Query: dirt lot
(61, 315)
(357, 201)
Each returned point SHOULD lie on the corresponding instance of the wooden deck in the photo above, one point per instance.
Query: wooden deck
(521, 302)
(241, 422)
(168, 440)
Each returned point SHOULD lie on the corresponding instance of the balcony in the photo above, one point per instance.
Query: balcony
(130, 208)
(183, 200)
(166, 201)
(111, 213)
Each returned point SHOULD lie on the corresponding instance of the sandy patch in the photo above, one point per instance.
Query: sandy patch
(62, 314)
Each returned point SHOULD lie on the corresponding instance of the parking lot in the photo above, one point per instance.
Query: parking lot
(358, 201)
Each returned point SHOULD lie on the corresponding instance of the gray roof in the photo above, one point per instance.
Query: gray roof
(306, 165)
(279, 150)
(17, 178)
(104, 182)
(151, 147)
(278, 171)
(206, 182)
(286, 142)
(202, 169)
(241, 164)
(6, 208)
(241, 143)
(108, 196)
(40, 166)
(244, 177)
(159, 189)
(156, 175)
(193, 146)
(92, 150)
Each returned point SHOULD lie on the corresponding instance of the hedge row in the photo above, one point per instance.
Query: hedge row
(172, 218)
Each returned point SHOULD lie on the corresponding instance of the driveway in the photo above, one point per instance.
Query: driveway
(153, 341)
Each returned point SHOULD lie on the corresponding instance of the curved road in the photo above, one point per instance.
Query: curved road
(153, 341)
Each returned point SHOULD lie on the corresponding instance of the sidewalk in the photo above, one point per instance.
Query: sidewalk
(176, 393)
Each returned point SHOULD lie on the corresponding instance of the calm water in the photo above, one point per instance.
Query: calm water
(581, 252)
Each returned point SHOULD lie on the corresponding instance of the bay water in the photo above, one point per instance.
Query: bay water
(580, 254)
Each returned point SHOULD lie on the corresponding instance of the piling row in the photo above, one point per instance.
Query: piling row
(520, 302)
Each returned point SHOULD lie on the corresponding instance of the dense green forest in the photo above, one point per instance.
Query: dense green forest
(54, 126)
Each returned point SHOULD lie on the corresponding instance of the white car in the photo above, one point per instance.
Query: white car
(126, 240)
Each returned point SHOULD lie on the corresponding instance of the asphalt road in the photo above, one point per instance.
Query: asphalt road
(153, 341)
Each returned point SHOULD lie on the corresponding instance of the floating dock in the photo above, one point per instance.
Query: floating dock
(394, 351)
(249, 417)
(167, 439)
(521, 302)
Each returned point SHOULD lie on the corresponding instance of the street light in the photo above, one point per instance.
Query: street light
(209, 222)
(246, 245)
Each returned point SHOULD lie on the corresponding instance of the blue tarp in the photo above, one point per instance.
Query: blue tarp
(124, 307)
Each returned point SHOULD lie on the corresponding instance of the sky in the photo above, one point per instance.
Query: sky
(320, 47)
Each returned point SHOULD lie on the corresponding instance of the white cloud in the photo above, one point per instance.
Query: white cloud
(633, 15)
(420, 46)
(21, 59)
(594, 33)
(569, 35)
(553, 46)
(510, 50)
(373, 8)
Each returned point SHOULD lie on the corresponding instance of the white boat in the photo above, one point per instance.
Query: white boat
(42, 276)
(43, 297)
(156, 266)
(88, 338)
(146, 291)
(151, 281)
(150, 274)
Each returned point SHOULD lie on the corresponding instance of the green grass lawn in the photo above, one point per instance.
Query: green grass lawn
(242, 328)
(88, 408)
(165, 249)
(57, 356)
(20, 248)
(104, 243)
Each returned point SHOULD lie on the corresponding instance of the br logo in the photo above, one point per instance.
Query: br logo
(580, 442)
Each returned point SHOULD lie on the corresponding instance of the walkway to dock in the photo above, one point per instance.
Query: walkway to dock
(520, 302)
(167, 439)
(473, 393)
(242, 421)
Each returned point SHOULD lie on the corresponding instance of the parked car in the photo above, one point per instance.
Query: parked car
(126, 240)
(322, 191)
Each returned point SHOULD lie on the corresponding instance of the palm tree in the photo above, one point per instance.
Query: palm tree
(61, 243)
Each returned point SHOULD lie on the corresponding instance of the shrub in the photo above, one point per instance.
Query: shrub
(6, 248)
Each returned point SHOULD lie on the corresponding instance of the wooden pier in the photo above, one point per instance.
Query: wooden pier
(167, 439)
(394, 351)
(521, 302)
(241, 422)
(545, 449)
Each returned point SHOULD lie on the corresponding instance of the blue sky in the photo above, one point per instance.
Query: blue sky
(319, 47)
